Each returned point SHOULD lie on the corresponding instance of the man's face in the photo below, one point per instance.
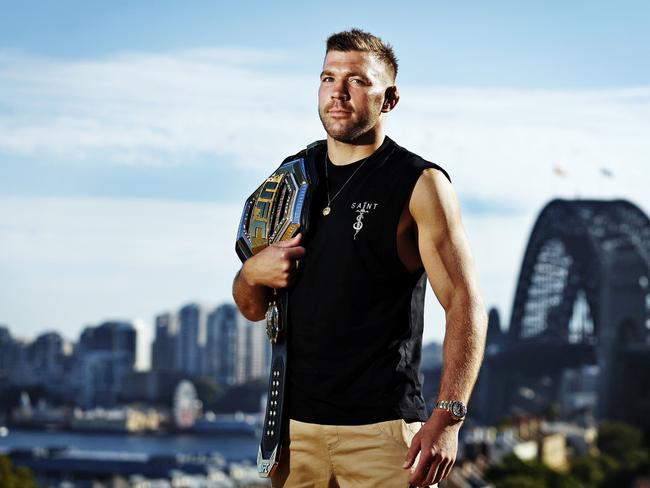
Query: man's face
(351, 94)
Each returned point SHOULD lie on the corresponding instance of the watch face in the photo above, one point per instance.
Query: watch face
(458, 409)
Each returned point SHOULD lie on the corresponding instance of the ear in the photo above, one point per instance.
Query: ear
(391, 97)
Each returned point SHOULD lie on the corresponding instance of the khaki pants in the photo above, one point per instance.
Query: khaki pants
(345, 456)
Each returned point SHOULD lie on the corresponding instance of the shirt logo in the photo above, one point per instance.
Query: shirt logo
(361, 208)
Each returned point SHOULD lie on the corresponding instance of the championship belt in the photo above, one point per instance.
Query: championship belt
(277, 211)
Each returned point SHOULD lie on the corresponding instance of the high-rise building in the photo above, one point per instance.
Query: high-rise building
(221, 352)
(163, 348)
(46, 356)
(105, 355)
(6, 348)
(9, 355)
(237, 350)
(258, 349)
(116, 336)
(191, 339)
(211, 356)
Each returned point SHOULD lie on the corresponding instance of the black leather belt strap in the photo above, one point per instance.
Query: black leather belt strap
(276, 211)
(274, 417)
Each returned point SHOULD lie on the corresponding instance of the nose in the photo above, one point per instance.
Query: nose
(340, 90)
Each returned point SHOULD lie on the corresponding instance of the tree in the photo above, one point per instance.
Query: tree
(618, 439)
(552, 411)
(207, 390)
(589, 470)
(520, 481)
(20, 477)
(513, 472)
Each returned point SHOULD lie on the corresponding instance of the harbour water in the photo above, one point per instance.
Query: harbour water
(233, 447)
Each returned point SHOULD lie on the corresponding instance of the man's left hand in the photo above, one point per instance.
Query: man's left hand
(437, 443)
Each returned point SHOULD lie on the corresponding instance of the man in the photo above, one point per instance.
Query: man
(381, 217)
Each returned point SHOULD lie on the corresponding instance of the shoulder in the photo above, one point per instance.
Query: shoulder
(433, 202)
(415, 163)
(314, 146)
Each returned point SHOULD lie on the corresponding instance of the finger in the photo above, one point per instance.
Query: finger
(294, 252)
(445, 472)
(421, 469)
(411, 454)
(434, 470)
(440, 473)
(294, 241)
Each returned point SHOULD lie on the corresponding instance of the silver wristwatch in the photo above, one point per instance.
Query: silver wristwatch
(456, 408)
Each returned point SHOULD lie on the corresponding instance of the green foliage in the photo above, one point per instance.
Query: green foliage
(621, 461)
(603, 471)
(520, 482)
(618, 440)
(15, 478)
(642, 412)
(511, 465)
(627, 474)
(24, 478)
(513, 472)
(589, 470)
(207, 390)
(245, 398)
(5, 472)
(552, 411)
(561, 480)
(607, 463)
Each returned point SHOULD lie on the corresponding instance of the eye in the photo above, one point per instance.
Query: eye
(326, 79)
(359, 81)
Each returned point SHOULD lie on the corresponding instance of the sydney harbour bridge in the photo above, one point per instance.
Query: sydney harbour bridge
(582, 301)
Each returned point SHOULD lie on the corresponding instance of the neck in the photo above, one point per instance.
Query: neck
(342, 153)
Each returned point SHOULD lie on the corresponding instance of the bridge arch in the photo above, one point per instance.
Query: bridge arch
(582, 298)
(580, 247)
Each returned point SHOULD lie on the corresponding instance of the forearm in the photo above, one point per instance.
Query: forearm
(437, 440)
(463, 348)
(251, 299)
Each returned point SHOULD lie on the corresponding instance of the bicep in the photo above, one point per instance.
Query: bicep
(442, 241)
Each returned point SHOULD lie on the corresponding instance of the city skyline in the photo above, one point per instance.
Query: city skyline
(143, 348)
(98, 369)
(151, 355)
(126, 158)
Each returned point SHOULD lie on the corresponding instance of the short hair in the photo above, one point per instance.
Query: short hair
(359, 40)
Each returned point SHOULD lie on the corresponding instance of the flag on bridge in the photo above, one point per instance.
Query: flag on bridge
(606, 172)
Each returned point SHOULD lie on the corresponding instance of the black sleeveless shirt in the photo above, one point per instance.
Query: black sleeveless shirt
(355, 311)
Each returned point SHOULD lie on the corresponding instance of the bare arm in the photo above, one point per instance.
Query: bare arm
(448, 262)
(251, 299)
(274, 267)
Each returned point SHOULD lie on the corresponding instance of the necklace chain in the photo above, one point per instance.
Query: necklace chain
(328, 209)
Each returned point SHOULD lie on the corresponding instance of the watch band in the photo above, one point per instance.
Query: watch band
(456, 408)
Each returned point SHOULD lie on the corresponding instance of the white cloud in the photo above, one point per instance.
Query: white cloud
(69, 262)
(154, 108)
(86, 259)
(235, 105)
(503, 144)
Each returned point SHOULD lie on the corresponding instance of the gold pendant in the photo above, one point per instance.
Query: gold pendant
(326, 210)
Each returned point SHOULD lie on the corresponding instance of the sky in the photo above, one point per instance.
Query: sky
(132, 132)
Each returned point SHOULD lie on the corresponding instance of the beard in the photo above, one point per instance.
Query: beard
(348, 130)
